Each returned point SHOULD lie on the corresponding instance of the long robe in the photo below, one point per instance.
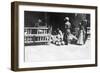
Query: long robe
(81, 38)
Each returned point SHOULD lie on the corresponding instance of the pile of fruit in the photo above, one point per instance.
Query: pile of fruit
(57, 39)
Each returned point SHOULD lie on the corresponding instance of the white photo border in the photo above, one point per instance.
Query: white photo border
(23, 8)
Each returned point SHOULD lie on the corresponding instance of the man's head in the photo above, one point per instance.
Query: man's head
(67, 18)
(39, 20)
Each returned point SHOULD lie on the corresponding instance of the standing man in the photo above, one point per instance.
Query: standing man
(67, 31)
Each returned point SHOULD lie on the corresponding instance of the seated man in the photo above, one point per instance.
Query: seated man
(72, 38)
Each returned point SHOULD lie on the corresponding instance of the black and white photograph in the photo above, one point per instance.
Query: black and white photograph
(56, 36)
(52, 36)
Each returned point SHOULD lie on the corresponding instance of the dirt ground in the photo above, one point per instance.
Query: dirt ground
(57, 53)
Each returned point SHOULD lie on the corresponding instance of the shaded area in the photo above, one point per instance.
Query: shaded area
(54, 19)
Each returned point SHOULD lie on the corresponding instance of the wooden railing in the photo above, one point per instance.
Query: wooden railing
(36, 35)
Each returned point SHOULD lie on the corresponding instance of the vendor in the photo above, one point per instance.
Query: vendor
(39, 23)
